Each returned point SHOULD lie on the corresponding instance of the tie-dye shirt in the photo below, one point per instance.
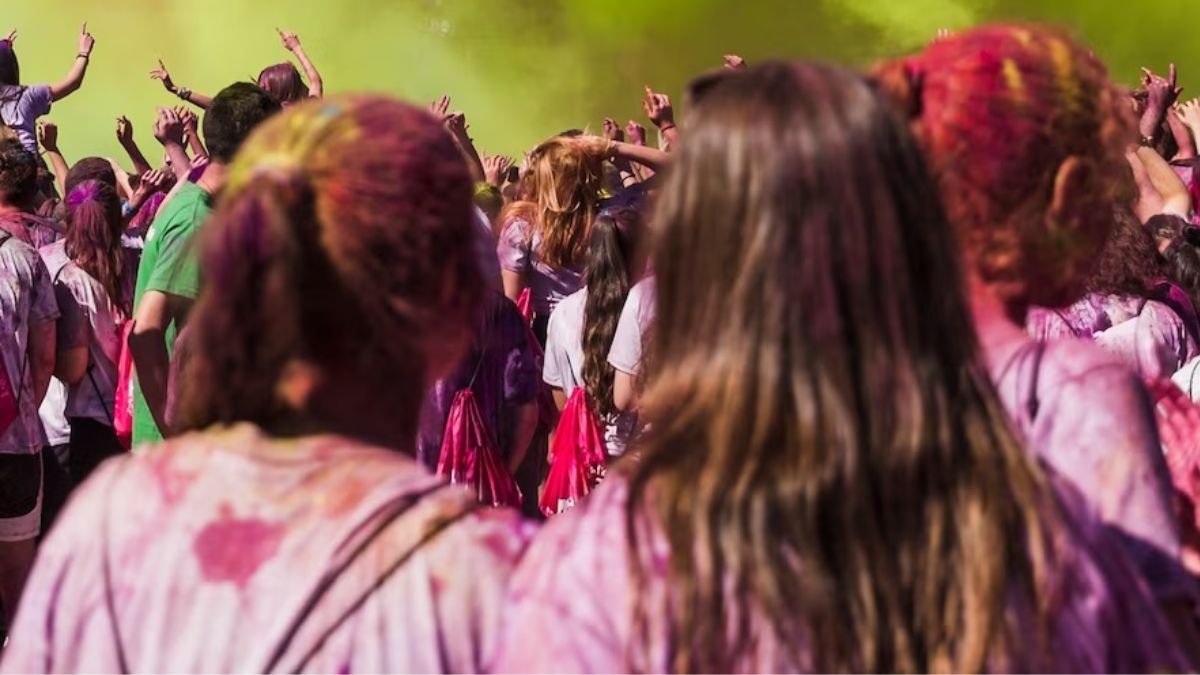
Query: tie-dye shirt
(213, 543)
(571, 603)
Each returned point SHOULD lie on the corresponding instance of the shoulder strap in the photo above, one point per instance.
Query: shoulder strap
(1031, 401)
(318, 633)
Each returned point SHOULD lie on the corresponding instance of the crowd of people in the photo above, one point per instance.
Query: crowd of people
(895, 370)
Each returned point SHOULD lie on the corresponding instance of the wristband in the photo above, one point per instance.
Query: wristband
(667, 127)
(82, 55)
(184, 93)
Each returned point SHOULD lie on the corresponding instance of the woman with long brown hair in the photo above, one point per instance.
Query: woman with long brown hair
(286, 529)
(829, 482)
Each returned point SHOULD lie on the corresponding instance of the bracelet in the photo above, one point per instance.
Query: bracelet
(184, 93)
(82, 55)
(666, 127)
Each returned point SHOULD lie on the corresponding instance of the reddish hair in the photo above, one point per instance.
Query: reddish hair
(283, 81)
(343, 243)
(94, 228)
(998, 110)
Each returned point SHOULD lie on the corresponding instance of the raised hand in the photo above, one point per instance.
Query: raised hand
(1161, 91)
(495, 167)
(734, 62)
(47, 134)
(456, 124)
(612, 130)
(1189, 112)
(168, 128)
(635, 132)
(291, 41)
(190, 120)
(658, 108)
(439, 107)
(161, 73)
(152, 181)
(124, 130)
(86, 41)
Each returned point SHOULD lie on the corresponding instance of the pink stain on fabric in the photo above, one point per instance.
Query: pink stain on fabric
(232, 549)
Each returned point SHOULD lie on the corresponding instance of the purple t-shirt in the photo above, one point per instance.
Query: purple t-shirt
(505, 374)
(518, 252)
(20, 107)
(1089, 417)
(636, 317)
(570, 603)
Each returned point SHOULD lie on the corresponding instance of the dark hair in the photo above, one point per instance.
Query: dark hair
(1183, 259)
(346, 256)
(825, 450)
(234, 113)
(283, 81)
(94, 228)
(10, 68)
(610, 260)
(1165, 227)
(1129, 263)
(90, 168)
(18, 174)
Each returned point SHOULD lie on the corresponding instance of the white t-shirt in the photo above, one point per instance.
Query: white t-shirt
(563, 367)
(626, 352)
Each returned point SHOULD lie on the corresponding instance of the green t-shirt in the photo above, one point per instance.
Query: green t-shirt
(169, 265)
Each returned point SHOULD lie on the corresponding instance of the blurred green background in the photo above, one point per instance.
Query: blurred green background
(520, 69)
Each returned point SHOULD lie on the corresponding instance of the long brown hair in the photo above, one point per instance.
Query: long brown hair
(94, 229)
(560, 192)
(826, 452)
(343, 242)
(608, 277)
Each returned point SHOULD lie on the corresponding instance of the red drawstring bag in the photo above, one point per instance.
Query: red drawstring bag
(577, 459)
(469, 455)
(525, 306)
(123, 401)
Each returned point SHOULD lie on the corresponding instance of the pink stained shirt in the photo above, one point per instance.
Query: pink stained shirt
(214, 542)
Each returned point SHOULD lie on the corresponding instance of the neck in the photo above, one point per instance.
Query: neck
(214, 178)
(996, 322)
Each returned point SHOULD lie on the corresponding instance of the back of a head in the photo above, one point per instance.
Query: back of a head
(94, 226)
(813, 348)
(233, 114)
(354, 259)
(563, 182)
(90, 168)
(1183, 259)
(283, 81)
(18, 174)
(1001, 111)
(1129, 263)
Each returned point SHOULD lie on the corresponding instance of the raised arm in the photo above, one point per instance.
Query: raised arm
(125, 138)
(1176, 199)
(191, 132)
(456, 124)
(48, 137)
(1161, 93)
(74, 79)
(168, 129)
(292, 43)
(660, 111)
(187, 95)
